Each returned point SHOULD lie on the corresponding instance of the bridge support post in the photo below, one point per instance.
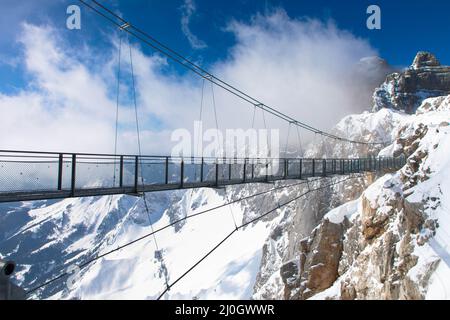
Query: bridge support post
(217, 172)
(324, 167)
(245, 171)
(74, 170)
(60, 171)
(121, 172)
(166, 171)
(286, 168)
(313, 168)
(201, 169)
(300, 169)
(182, 174)
(136, 174)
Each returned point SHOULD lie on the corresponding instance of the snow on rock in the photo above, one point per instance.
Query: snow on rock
(407, 89)
(311, 209)
(368, 126)
(337, 215)
(396, 243)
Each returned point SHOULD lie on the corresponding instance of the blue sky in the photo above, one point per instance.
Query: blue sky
(407, 26)
(309, 47)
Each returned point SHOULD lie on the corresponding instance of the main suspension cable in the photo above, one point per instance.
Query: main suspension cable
(172, 54)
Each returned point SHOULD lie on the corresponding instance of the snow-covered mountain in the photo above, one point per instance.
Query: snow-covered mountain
(390, 242)
(376, 236)
(52, 237)
(396, 235)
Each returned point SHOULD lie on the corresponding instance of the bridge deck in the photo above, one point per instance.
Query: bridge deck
(26, 176)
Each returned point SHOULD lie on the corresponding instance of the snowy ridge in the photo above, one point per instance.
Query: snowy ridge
(423, 184)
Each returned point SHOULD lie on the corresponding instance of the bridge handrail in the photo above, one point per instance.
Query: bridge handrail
(109, 156)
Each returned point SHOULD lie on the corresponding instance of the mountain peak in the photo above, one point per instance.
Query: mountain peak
(425, 59)
(405, 90)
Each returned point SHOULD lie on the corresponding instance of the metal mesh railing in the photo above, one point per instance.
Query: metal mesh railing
(34, 172)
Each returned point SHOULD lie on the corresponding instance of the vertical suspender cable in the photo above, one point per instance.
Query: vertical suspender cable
(117, 106)
(216, 120)
(287, 142)
(301, 151)
(249, 154)
(166, 276)
(221, 147)
(196, 149)
(268, 144)
(228, 197)
(117, 122)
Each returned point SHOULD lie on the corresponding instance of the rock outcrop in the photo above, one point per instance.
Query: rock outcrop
(391, 247)
(405, 90)
(317, 268)
(375, 247)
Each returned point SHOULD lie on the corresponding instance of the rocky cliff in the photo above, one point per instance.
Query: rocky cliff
(285, 250)
(381, 240)
(405, 90)
(391, 242)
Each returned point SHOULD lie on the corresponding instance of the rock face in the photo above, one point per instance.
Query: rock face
(425, 59)
(405, 90)
(282, 249)
(392, 245)
(375, 256)
(317, 268)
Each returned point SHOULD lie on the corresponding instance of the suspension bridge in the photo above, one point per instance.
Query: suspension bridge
(26, 176)
(40, 175)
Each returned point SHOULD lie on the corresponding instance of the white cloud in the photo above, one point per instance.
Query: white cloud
(188, 10)
(302, 67)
